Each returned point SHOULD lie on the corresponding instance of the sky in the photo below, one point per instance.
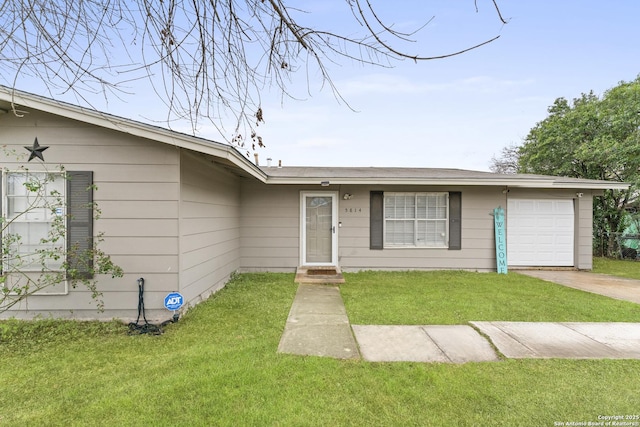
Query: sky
(461, 111)
(456, 112)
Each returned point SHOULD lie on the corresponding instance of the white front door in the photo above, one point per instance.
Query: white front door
(318, 241)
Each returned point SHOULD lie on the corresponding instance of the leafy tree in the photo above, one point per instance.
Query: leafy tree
(205, 59)
(592, 137)
(31, 266)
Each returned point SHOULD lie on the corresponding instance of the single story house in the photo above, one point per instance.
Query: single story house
(184, 213)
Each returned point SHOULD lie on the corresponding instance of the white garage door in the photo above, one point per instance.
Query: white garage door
(540, 233)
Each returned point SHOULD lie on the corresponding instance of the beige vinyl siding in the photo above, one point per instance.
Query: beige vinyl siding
(477, 253)
(270, 221)
(137, 193)
(209, 226)
(271, 224)
(584, 230)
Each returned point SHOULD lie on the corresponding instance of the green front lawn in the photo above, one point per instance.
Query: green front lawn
(457, 297)
(219, 366)
(616, 267)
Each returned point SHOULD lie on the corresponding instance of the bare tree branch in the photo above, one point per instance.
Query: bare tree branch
(205, 59)
(507, 163)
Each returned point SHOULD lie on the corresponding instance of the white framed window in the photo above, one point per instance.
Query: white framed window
(416, 220)
(33, 204)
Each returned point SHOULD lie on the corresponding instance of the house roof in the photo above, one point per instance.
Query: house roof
(23, 101)
(231, 157)
(426, 176)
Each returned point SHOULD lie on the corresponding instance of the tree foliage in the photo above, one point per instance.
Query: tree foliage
(205, 59)
(592, 137)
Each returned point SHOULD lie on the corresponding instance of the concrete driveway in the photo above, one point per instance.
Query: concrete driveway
(610, 286)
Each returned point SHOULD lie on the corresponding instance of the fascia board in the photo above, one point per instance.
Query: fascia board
(529, 183)
(606, 185)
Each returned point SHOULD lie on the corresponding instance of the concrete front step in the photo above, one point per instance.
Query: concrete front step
(319, 275)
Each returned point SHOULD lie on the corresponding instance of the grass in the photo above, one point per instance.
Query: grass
(457, 297)
(623, 268)
(219, 366)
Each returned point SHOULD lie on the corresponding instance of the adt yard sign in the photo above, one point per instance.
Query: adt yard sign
(173, 301)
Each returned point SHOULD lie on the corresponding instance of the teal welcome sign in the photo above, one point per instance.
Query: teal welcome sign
(501, 240)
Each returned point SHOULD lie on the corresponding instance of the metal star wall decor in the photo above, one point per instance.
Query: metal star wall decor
(36, 151)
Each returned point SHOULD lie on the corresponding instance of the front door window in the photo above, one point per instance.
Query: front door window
(318, 228)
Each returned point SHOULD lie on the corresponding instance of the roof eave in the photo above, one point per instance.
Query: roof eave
(527, 183)
(604, 185)
(131, 127)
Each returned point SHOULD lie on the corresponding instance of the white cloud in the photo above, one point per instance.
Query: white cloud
(386, 84)
(487, 84)
(371, 84)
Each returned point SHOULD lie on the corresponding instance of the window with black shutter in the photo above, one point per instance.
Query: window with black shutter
(80, 222)
(415, 220)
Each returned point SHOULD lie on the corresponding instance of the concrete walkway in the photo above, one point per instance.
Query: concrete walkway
(439, 343)
(318, 326)
(570, 340)
(613, 287)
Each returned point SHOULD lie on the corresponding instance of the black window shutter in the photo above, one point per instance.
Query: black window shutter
(376, 212)
(80, 222)
(455, 220)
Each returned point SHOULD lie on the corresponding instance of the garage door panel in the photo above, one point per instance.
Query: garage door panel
(542, 239)
(564, 240)
(543, 207)
(540, 232)
(565, 208)
(524, 204)
(564, 223)
(565, 255)
(543, 223)
(545, 257)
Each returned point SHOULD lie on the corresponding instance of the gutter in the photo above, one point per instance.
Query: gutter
(527, 183)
